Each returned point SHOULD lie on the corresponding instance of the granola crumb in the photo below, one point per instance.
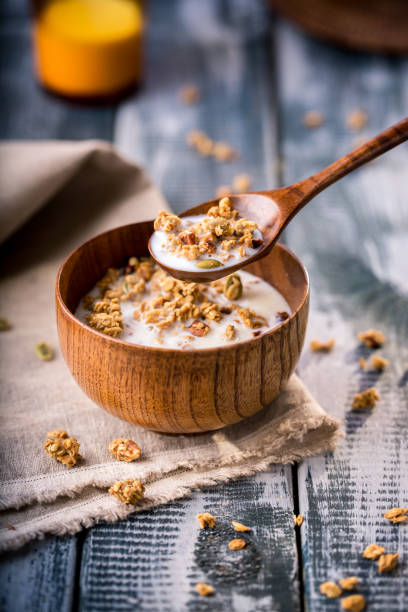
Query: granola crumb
(206, 147)
(379, 363)
(44, 351)
(397, 515)
(62, 448)
(356, 120)
(10, 527)
(4, 324)
(322, 347)
(298, 520)
(128, 491)
(373, 338)
(363, 364)
(239, 526)
(349, 583)
(387, 562)
(373, 551)
(366, 399)
(330, 589)
(283, 315)
(229, 333)
(189, 94)
(124, 449)
(222, 191)
(204, 589)
(241, 183)
(313, 119)
(236, 544)
(353, 603)
(206, 520)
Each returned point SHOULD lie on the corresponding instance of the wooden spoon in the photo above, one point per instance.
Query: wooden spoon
(272, 210)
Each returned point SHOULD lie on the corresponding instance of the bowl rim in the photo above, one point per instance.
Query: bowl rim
(134, 346)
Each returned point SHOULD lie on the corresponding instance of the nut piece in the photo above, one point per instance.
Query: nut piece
(323, 347)
(233, 287)
(237, 544)
(62, 448)
(4, 324)
(348, 584)
(353, 603)
(372, 338)
(312, 119)
(207, 264)
(189, 94)
(356, 120)
(239, 526)
(124, 449)
(379, 363)
(44, 351)
(204, 589)
(206, 520)
(188, 237)
(366, 399)
(198, 328)
(373, 551)
(387, 562)
(298, 520)
(128, 491)
(330, 589)
(397, 515)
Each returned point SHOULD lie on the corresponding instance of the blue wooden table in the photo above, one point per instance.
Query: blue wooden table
(258, 76)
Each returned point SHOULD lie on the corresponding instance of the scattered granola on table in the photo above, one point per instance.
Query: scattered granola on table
(128, 491)
(44, 351)
(204, 589)
(330, 589)
(322, 347)
(373, 338)
(379, 363)
(362, 363)
(387, 562)
(189, 94)
(236, 544)
(353, 603)
(366, 399)
(397, 515)
(356, 120)
(124, 449)
(242, 183)
(298, 520)
(373, 551)
(10, 527)
(349, 583)
(206, 147)
(313, 119)
(62, 447)
(240, 527)
(206, 520)
(4, 324)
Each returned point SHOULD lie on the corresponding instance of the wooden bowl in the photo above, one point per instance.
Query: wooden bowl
(169, 390)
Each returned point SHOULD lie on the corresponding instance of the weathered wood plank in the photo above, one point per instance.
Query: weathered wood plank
(153, 560)
(39, 577)
(353, 239)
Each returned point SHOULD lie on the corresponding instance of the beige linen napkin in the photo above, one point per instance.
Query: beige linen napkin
(65, 192)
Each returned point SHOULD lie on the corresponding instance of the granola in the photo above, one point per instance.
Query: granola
(4, 324)
(128, 491)
(206, 147)
(204, 589)
(397, 515)
(349, 583)
(124, 449)
(298, 520)
(236, 544)
(373, 338)
(379, 363)
(189, 94)
(62, 447)
(366, 399)
(239, 526)
(330, 589)
(356, 120)
(313, 119)
(241, 183)
(353, 603)
(206, 520)
(321, 347)
(387, 562)
(373, 551)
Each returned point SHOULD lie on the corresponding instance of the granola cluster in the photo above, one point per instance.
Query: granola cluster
(128, 491)
(207, 147)
(221, 232)
(124, 449)
(62, 447)
(366, 399)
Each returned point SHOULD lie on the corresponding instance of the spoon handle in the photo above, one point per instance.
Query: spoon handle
(302, 192)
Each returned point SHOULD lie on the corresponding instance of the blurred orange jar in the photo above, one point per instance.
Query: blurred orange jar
(89, 48)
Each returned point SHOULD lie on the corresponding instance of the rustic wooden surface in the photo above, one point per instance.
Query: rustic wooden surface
(257, 76)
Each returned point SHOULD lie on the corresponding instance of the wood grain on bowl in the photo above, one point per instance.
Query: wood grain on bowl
(168, 390)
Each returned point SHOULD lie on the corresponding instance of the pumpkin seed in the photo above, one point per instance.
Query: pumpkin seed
(4, 324)
(206, 264)
(233, 287)
(44, 351)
